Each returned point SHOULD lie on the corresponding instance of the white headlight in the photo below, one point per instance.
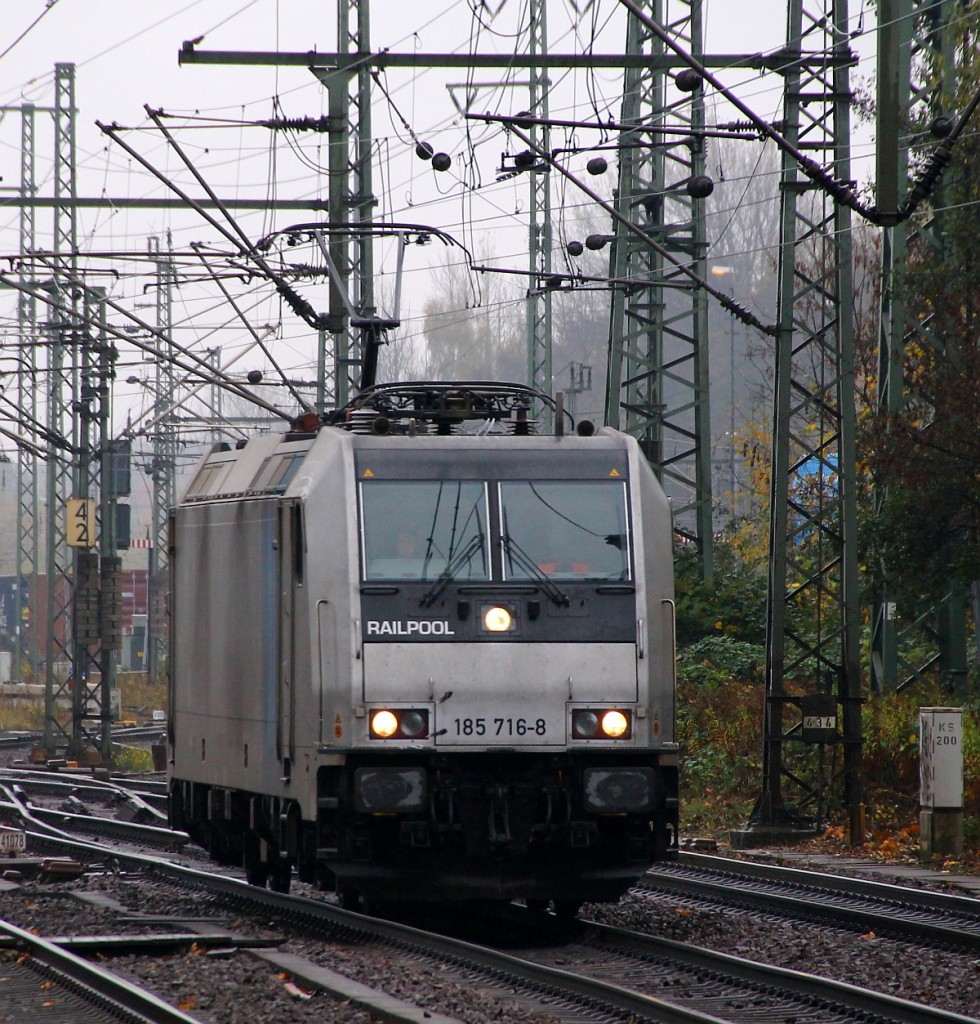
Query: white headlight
(497, 619)
(384, 724)
(615, 724)
(585, 724)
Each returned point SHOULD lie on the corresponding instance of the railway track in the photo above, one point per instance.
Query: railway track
(585, 972)
(84, 805)
(46, 980)
(936, 918)
(15, 739)
(146, 798)
(944, 919)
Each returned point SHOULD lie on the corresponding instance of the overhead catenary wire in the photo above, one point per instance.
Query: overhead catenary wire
(47, 7)
(237, 237)
(193, 363)
(727, 302)
(139, 428)
(300, 401)
(840, 191)
(470, 219)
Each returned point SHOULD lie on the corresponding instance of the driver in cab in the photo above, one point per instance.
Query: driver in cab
(407, 556)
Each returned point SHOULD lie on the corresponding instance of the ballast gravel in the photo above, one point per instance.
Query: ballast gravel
(234, 987)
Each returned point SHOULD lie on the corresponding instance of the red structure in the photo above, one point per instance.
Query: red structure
(33, 601)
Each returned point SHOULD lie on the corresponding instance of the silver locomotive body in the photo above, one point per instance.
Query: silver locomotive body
(426, 667)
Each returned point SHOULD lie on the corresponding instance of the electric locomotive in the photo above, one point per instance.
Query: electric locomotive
(423, 651)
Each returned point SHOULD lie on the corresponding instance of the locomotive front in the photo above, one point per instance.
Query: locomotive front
(509, 727)
(418, 655)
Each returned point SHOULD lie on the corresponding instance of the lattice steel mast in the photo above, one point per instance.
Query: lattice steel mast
(812, 664)
(914, 40)
(59, 565)
(163, 462)
(538, 314)
(351, 192)
(657, 376)
(27, 594)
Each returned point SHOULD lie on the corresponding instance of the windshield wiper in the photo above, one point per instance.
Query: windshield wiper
(523, 560)
(461, 558)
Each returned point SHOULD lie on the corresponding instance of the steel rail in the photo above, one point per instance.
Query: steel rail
(928, 897)
(844, 1000)
(93, 983)
(769, 979)
(20, 740)
(560, 983)
(933, 917)
(45, 824)
(70, 785)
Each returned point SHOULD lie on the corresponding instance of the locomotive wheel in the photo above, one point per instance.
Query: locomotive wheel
(350, 899)
(280, 876)
(566, 910)
(256, 871)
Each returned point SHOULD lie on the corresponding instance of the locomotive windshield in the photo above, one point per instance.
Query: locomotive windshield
(564, 529)
(422, 529)
(430, 530)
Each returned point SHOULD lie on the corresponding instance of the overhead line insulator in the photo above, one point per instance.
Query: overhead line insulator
(297, 124)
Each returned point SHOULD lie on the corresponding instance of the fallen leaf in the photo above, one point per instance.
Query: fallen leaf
(296, 992)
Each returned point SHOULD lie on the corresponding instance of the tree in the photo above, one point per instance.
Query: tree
(926, 456)
(470, 336)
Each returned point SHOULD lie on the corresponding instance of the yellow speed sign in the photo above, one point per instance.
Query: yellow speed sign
(80, 526)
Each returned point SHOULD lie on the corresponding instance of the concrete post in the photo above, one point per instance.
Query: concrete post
(940, 781)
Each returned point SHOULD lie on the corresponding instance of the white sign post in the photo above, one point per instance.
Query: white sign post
(940, 781)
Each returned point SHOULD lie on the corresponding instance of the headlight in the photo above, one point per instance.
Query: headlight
(615, 724)
(602, 724)
(414, 723)
(585, 724)
(383, 724)
(399, 724)
(497, 619)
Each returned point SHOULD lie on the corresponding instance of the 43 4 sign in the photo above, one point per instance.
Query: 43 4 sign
(81, 523)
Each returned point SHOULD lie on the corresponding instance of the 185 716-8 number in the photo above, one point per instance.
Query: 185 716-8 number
(500, 727)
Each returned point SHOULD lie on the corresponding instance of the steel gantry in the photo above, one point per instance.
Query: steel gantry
(26, 650)
(347, 75)
(915, 53)
(812, 731)
(162, 467)
(539, 292)
(657, 371)
(62, 379)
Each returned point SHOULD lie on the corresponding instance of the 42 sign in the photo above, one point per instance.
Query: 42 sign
(80, 524)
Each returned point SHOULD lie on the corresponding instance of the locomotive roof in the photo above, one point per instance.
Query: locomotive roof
(266, 464)
(471, 416)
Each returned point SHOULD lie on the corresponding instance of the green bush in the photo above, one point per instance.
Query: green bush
(891, 751)
(732, 604)
(719, 729)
